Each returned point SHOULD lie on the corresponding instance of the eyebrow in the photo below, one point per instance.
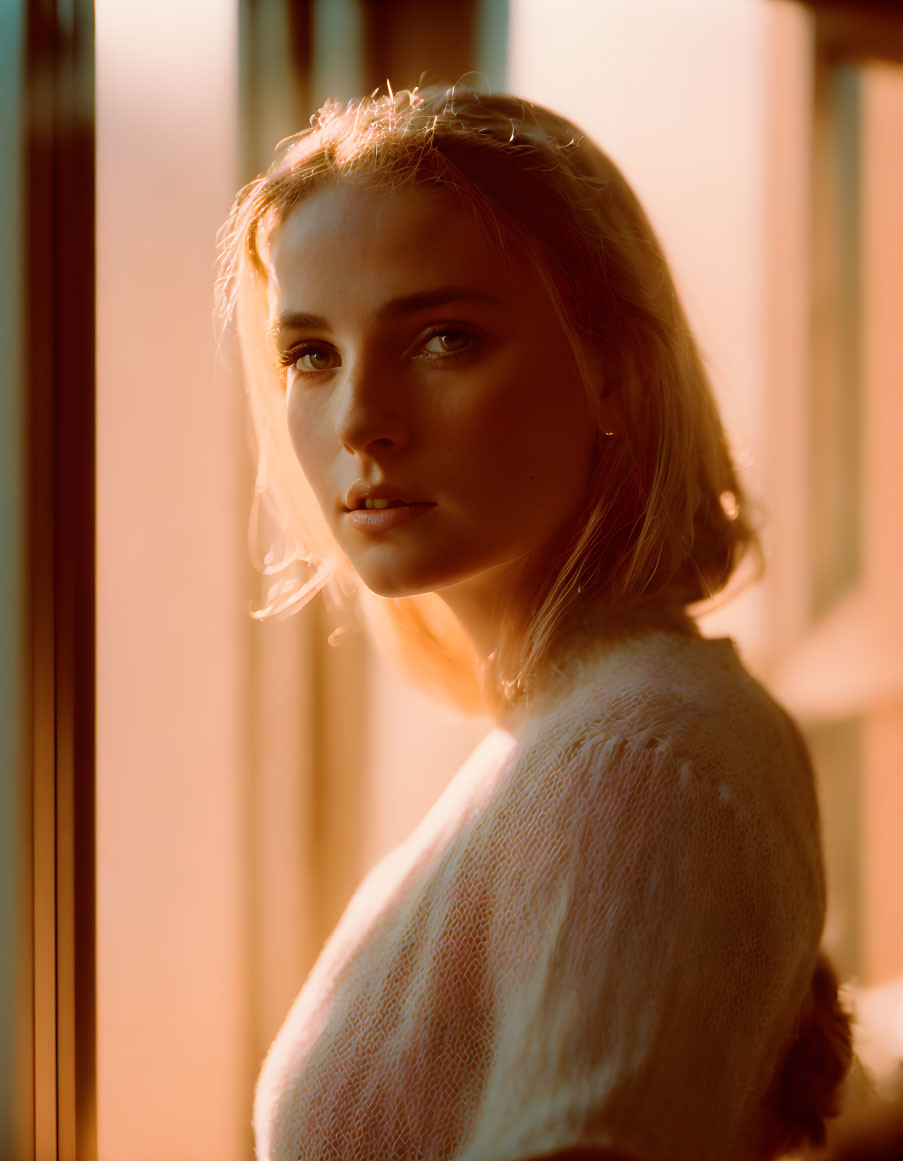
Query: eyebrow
(293, 320)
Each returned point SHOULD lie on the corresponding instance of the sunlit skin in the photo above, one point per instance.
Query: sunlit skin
(420, 361)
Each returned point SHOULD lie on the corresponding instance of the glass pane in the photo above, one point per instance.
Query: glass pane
(835, 417)
(836, 748)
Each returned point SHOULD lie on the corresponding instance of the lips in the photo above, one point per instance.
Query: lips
(369, 497)
(376, 521)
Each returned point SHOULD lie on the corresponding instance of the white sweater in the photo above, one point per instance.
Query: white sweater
(601, 934)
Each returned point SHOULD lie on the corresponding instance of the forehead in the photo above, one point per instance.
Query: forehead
(352, 244)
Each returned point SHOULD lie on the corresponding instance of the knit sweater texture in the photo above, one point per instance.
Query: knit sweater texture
(602, 934)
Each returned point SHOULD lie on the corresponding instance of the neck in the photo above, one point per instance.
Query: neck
(498, 630)
(492, 610)
(486, 606)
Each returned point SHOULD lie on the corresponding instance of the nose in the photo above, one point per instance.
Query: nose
(369, 418)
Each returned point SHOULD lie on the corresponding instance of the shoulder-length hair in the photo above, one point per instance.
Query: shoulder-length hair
(664, 515)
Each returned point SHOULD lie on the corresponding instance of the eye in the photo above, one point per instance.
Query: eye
(312, 358)
(447, 342)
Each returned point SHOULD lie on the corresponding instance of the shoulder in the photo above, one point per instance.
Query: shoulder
(657, 893)
(668, 734)
(686, 699)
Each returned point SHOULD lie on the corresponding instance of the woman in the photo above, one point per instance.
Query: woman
(475, 390)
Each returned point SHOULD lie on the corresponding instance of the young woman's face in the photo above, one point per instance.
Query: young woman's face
(425, 373)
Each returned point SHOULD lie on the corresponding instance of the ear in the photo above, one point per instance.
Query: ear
(612, 417)
(607, 412)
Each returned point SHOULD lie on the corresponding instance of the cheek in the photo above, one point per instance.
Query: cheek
(313, 439)
(532, 431)
(496, 432)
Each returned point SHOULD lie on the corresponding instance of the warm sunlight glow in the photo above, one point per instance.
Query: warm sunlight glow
(170, 600)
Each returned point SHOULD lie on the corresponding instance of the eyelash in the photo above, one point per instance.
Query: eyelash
(287, 360)
(473, 342)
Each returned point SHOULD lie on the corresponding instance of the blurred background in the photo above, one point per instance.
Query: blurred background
(189, 797)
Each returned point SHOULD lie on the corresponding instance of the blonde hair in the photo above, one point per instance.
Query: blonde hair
(664, 514)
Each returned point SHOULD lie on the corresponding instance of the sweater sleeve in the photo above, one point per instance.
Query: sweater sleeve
(654, 929)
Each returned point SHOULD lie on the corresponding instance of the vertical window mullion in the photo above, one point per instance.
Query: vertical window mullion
(59, 373)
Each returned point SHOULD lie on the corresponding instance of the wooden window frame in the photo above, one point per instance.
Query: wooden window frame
(59, 520)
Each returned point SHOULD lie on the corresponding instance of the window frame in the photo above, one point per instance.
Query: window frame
(58, 397)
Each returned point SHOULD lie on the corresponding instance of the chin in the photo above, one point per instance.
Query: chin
(393, 587)
(411, 583)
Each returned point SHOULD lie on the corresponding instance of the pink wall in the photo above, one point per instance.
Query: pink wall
(171, 599)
